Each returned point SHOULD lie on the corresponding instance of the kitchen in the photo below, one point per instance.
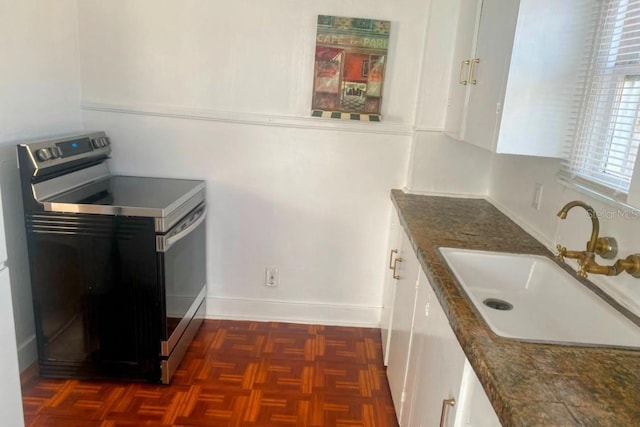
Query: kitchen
(308, 196)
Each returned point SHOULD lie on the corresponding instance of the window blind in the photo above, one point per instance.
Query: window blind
(605, 136)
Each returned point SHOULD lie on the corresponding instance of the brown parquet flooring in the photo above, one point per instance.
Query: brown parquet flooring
(241, 374)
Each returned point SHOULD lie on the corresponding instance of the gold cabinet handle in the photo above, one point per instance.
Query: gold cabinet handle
(462, 64)
(472, 70)
(395, 264)
(393, 251)
(446, 403)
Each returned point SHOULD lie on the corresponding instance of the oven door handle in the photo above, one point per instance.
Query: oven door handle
(164, 243)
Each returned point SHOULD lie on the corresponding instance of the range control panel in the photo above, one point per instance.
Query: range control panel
(59, 151)
(71, 148)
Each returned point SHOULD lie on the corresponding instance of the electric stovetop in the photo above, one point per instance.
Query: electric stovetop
(131, 196)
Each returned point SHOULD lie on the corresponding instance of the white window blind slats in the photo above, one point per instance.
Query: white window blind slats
(606, 126)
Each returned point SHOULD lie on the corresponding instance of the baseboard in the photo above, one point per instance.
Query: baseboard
(27, 353)
(284, 311)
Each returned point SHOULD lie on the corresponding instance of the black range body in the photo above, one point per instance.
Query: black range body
(117, 263)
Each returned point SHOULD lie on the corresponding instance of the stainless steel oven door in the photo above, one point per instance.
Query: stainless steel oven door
(182, 253)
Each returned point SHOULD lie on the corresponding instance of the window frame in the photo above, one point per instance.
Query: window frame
(590, 161)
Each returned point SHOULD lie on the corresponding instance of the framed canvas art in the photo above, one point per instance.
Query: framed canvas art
(350, 61)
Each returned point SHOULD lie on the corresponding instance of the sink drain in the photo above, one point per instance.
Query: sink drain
(498, 304)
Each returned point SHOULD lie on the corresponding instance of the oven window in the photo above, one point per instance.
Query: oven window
(185, 275)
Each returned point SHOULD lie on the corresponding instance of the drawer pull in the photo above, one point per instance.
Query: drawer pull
(446, 403)
(395, 264)
(463, 82)
(472, 70)
(393, 251)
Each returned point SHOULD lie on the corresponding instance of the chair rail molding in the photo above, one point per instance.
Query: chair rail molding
(192, 113)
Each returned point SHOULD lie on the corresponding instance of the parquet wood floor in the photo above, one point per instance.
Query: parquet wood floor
(240, 374)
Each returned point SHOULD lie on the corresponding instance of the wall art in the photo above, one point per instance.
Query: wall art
(350, 61)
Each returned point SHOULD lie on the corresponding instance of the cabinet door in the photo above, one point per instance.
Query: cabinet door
(439, 367)
(475, 410)
(388, 292)
(11, 400)
(463, 51)
(493, 52)
(407, 268)
(415, 368)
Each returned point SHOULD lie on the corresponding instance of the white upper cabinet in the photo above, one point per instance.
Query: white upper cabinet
(513, 76)
(463, 52)
(488, 71)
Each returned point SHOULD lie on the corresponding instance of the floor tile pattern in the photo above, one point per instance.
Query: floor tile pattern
(237, 373)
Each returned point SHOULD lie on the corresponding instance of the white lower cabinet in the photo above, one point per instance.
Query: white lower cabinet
(475, 409)
(439, 362)
(389, 290)
(405, 270)
(433, 384)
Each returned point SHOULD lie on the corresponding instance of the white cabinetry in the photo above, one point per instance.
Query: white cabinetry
(475, 409)
(429, 375)
(389, 291)
(513, 75)
(439, 362)
(406, 274)
(463, 52)
(10, 396)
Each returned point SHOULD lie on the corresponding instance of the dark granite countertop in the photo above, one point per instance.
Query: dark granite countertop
(529, 384)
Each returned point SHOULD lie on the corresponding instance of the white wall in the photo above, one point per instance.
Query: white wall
(512, 185)
(442, 165)
(39, 95)
(241, 56)
(39, 76)
(221, 91)
(313, 203)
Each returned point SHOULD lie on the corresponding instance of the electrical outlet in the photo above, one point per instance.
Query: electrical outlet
(537, 196)
(271, 277)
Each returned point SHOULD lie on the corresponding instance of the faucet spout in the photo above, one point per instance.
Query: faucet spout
(595, 224)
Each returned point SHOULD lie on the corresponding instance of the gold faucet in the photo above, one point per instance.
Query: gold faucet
(595, 224)
(606, 247)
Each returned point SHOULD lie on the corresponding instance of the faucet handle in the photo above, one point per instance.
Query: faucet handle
(582, 272)
(561, 252)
